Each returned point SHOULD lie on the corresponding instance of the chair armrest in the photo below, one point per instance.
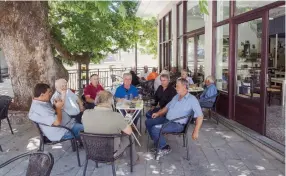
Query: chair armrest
(206, 99)
(58, 126)
(179, 118)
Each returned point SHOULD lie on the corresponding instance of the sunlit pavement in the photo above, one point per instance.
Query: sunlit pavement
(219, 151)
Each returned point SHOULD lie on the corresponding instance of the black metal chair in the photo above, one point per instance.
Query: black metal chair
(5, 102)
(40, 163)
(100, 149)
(184, 133)
(147, 91)
(213, 106)
(45, 140)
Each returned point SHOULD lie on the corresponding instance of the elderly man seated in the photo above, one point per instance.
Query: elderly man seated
(102, 120)
(126, 91)
(72, 104)
(91, 91)
(163, 95)
(208, 97)
(41, 111)
(144, 73)
(183, 104)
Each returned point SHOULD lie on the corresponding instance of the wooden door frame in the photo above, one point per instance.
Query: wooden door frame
(264, 56)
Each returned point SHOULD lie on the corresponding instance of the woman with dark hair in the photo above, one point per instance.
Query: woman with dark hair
(135, 79)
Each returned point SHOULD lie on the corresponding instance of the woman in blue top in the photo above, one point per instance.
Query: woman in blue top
(184, 74)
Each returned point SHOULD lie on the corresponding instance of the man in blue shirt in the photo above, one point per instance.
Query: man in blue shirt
(183, 104)
(126, 89)
(208, 97)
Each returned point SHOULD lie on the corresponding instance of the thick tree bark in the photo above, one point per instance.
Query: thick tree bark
(25, 40)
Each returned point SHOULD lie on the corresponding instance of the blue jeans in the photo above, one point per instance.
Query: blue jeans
(76, 129)
(171, 127)
(149, 123)
(149, 113)
(206, 104)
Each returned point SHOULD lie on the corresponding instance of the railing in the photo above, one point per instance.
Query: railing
(103, 73)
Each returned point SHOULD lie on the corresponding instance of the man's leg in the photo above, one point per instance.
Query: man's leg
(124, 142)
(76, 129)
(149, 113)
(78, 117)
(206, 104)
(171, 127)
(149, 123)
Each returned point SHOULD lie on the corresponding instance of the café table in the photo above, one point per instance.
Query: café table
(195, 90)
(132, 109)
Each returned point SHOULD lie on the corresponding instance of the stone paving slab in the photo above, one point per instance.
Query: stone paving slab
(219, 151)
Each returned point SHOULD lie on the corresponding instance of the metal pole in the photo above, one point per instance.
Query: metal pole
(136, 57)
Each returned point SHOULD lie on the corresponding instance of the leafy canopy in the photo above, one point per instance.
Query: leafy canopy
(97, 27)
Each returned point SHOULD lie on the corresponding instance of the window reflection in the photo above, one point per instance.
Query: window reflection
(222, 54)
(248, 62)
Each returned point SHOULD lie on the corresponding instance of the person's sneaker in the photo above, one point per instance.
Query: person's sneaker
(164, 151)
(153, 150)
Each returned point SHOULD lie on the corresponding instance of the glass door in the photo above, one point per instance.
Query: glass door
(249, 73)
(195, 57)
(275, 110)
(191, 56)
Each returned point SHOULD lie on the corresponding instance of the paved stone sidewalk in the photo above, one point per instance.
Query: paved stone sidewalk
(218, 152)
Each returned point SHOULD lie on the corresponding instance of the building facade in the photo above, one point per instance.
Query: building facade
(241, 44)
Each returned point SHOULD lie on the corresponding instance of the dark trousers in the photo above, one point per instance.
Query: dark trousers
(78, 117)
(206, 104)
(89, 105)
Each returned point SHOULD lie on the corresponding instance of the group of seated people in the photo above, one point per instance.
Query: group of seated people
(66, 109)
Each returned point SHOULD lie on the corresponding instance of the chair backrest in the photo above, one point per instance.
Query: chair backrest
(148, 88)
(216, 99)
(40, 163)
(99, 147)
(4, 106)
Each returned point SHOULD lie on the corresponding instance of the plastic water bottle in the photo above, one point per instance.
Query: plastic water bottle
(130, 97)
(140, 97)
(126, 97)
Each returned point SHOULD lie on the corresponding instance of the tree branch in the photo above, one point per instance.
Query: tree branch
(82, 58)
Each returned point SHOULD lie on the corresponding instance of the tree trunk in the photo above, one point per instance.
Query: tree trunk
(25, 40)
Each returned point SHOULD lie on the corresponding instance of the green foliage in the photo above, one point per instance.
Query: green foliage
(94, 27)
(203, 6)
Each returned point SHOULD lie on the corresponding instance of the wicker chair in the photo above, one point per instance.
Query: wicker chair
(184, 133)
(45, 140)
(147, 91)
(40, 163)
(100, 149)
(4, 105)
